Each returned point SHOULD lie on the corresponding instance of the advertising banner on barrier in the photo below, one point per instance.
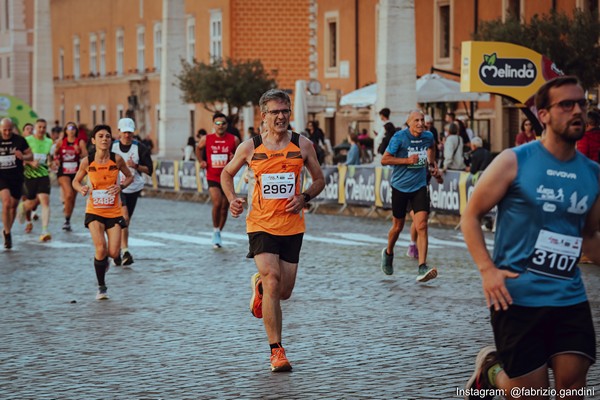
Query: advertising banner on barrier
(445, 197)
(188, 177)
(331, 190)
(383, 188)
(365, 186)
(165, 175)
(359, 185)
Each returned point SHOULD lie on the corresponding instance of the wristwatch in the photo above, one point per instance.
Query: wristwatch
(306, 197)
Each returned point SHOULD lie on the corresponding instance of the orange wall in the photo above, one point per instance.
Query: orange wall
(275, 33)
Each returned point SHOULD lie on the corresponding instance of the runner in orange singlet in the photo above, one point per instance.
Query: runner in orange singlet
(275, 221)
(103, 214)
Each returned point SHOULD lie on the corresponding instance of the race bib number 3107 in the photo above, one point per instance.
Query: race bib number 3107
(278, 186)
(555, 255)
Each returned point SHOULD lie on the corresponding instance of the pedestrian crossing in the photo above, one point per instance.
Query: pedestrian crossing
(231, 240)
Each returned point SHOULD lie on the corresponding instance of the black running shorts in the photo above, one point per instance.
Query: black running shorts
(215, 184)
(107, 222)
(287, 247)
(35, 186)
(528, 337)
(419, 201)
(129, 200)
(14, 186)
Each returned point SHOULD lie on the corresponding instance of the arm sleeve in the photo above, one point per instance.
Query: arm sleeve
(145, 158)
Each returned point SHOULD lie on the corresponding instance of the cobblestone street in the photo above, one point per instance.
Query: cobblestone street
(177, 325)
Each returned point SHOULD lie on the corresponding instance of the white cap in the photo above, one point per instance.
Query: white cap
(126, 125)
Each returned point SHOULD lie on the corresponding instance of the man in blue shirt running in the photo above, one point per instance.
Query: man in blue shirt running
(411, 151)
(548, 212)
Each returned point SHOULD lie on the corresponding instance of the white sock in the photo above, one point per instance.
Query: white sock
(216, 230)
(412, 243)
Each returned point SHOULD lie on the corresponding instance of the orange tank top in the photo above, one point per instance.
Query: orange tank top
(100, 177)
(277, 176)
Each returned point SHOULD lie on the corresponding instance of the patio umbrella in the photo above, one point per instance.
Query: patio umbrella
(431, 88)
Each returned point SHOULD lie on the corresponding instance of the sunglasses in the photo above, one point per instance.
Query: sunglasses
(219, 123)
(568, 105)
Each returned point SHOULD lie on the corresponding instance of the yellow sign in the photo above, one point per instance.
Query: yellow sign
(505, 69)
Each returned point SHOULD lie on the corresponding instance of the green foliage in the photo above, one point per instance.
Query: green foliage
(230, 82)
(572, 42)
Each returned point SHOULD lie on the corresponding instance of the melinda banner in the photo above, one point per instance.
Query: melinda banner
(504, 68)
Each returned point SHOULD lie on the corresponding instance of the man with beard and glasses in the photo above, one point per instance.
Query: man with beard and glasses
(548, 212)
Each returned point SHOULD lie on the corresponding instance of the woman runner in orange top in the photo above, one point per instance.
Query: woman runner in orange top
(103, 213)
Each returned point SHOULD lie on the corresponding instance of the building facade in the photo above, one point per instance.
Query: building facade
(108, 57)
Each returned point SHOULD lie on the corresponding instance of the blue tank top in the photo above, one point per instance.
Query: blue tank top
(410, 178)
(540, 220)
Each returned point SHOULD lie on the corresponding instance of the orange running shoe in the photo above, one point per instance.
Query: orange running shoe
(279, 362)
(256, 300)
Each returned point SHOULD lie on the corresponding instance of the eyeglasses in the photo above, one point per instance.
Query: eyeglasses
(275, 113)
(219, 123)
(71, 128)
(568, 105)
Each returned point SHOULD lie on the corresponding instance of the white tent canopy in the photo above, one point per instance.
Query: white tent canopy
(431, 88)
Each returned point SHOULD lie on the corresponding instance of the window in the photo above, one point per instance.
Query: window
(444, 49)
(590, 6)
(93, 54)
(76, 58)
(331, 44)
(77, 114)
(8, 67)
(192, 121)
(141, 49)
(0, 67)
(6, 15)
(157, 46)
(94, 117)
(216, 35)
(61, 64)
(512, 9)
(102, 115)
(120, 52)
(62, 114)
(120, 111)
(191, 39)
(102, 54)
(443, 33)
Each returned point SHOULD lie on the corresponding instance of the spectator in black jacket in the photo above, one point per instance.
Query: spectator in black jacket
(480, 157)
(389, 127)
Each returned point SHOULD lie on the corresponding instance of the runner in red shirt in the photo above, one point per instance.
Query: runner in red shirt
(589, 144)
(70, 149)
(220, 147)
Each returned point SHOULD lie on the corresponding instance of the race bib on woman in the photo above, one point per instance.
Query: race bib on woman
(102, 199)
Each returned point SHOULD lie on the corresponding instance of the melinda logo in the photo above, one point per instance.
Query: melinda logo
(496, 71)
